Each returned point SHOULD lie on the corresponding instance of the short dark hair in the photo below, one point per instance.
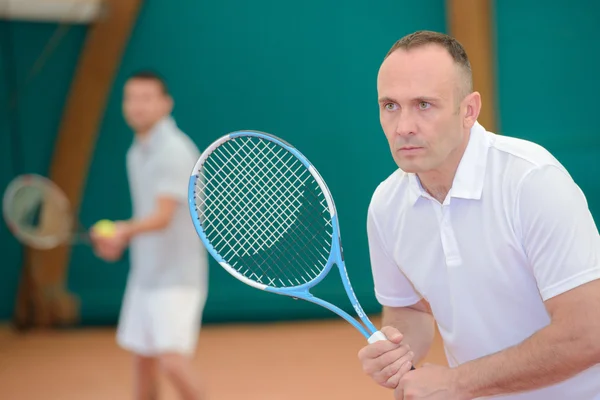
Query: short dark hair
(453, 46)
(148, 74)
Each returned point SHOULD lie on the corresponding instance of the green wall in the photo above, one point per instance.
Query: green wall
(548, 63)
(40, 103)
(306, 73)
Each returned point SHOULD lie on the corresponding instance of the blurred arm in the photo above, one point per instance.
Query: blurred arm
(158, 220)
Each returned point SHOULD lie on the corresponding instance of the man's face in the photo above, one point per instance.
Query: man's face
(420, 112)
(144, 103)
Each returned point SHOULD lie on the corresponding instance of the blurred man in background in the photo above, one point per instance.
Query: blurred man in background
(166, 288)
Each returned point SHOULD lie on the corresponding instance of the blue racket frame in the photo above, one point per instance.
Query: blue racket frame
(336, 253)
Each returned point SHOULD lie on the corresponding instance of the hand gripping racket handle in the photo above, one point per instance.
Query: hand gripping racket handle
(377, 336)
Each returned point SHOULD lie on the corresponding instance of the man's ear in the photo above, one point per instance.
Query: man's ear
(170, 104)
(472, 108)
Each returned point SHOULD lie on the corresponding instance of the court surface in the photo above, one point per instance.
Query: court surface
(281, 361)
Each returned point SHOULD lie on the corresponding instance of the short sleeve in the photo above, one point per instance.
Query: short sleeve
(392, 288)
(558, 231)
(173, 172)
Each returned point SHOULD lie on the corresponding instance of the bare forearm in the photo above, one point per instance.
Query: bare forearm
(417, 327)
(550, 356)
(158, 220)
(151, 223)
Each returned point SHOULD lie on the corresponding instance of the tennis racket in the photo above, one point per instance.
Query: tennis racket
(38, 213)
(266, 216)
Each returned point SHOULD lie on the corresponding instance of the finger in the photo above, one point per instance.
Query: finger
(392, 334)
(374, 350)
(112, 245)
(399, 393)
(403, 369)
(388, 358)
(111, 256)
(106, 250)
(104, 256)
(109, 245)
(377, 365)
(390, 375)
(113, 251)
(100, 241)
(103, 248)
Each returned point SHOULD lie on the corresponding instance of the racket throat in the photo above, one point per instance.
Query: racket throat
(341, 249)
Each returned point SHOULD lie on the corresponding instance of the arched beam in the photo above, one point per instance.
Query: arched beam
(42, 290)
(471, 22)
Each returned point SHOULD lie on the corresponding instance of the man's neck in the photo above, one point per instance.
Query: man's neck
(439, 182)
(142, 135)
(436, 184)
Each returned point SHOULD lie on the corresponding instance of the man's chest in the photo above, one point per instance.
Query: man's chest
(143, 172)
(463, 246)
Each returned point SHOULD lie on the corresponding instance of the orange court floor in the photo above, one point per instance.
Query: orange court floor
(269, 361)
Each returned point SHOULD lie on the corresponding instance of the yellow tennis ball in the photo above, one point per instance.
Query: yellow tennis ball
(105, 228)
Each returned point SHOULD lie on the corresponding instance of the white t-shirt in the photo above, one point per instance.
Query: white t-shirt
(160, 166)
(515, 230)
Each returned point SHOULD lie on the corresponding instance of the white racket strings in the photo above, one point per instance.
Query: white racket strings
(263, 212)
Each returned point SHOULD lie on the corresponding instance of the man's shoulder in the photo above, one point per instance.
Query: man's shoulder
(389, 191)
(520, 162)
(524, 152)
(178, 144)
(132, 151)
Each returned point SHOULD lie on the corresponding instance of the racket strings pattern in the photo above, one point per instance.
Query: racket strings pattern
(37, 211)
(267, 217)
(264, 213)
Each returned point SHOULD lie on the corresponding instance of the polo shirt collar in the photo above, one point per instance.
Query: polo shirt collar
(469, 179)
(161, 128)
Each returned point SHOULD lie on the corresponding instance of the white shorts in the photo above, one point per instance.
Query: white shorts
(158, 321)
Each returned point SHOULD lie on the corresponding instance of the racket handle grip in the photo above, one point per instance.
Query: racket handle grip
(377, 336)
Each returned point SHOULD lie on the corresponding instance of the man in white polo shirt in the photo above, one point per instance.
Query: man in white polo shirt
(488, 236)
(167, 284)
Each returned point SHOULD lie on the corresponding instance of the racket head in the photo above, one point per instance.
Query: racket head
(264, 212)
(37, 212)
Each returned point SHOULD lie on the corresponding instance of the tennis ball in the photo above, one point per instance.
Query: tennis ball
(105, 228)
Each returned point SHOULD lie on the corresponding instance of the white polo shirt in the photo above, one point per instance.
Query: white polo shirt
(514, 231)
(160, 165)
